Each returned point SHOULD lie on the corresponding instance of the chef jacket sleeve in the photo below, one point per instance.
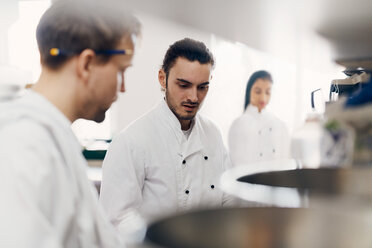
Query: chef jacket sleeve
(26, 187)
(122, 183)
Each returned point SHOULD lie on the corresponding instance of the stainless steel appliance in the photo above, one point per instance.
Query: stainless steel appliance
(261, 228)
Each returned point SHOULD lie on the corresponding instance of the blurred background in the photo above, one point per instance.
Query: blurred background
(305, 45)
(279, 36)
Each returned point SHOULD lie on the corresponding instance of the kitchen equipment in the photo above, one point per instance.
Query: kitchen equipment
(290, 187)
(260, 228)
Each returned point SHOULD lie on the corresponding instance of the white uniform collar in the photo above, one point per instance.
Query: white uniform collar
(194, 142)
(38, 107)
(31, 102)
(169, 115)
(40, 101)
(251, 109)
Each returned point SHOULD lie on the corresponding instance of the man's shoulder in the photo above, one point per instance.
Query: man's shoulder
(24, 129)
(143, 124)
(25, 134)
(27, 142)
(208, 125)
(206, 121)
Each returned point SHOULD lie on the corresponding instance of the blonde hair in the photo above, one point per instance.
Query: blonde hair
(75, 25)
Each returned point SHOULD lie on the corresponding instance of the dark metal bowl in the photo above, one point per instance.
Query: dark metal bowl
(332, 181)
(287, 186)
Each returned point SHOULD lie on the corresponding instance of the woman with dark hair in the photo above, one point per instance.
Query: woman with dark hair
(258, 135)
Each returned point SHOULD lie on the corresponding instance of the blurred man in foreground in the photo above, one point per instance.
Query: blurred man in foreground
(47, 200)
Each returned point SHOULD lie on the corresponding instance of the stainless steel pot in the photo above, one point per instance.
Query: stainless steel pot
(286, 186)
(338, 211)
(261, 228)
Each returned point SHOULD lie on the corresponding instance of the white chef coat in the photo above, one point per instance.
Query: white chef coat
(152, 168)
(46, 197)
(257, 136)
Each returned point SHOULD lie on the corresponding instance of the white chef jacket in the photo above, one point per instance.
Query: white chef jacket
(46, 197)
(257, 136)
(152, 168)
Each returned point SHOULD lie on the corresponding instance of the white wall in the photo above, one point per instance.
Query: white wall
(308, 67)
(299, 61)
(8, 15)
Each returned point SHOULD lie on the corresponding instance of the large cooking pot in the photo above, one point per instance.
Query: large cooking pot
(338, 210)
(261, 228)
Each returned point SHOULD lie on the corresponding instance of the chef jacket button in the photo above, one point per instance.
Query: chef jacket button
(260, 154)
(259, 132)
(187, 192)
(205, 157)
(273, 150)
(184, 162)
(212, 186)
(270, 129)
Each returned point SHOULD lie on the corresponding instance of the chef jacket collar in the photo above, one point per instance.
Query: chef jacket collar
(38, 100)
(169, 117)
(42, 109)
(194, 143)
(251, 109)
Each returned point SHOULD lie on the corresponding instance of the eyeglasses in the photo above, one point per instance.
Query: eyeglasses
(120, 81)
(56, 52)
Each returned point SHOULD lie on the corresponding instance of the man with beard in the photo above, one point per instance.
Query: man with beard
(47, 200)
(171, 159)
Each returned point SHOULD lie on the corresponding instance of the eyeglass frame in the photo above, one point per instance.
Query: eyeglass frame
(56, 52)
